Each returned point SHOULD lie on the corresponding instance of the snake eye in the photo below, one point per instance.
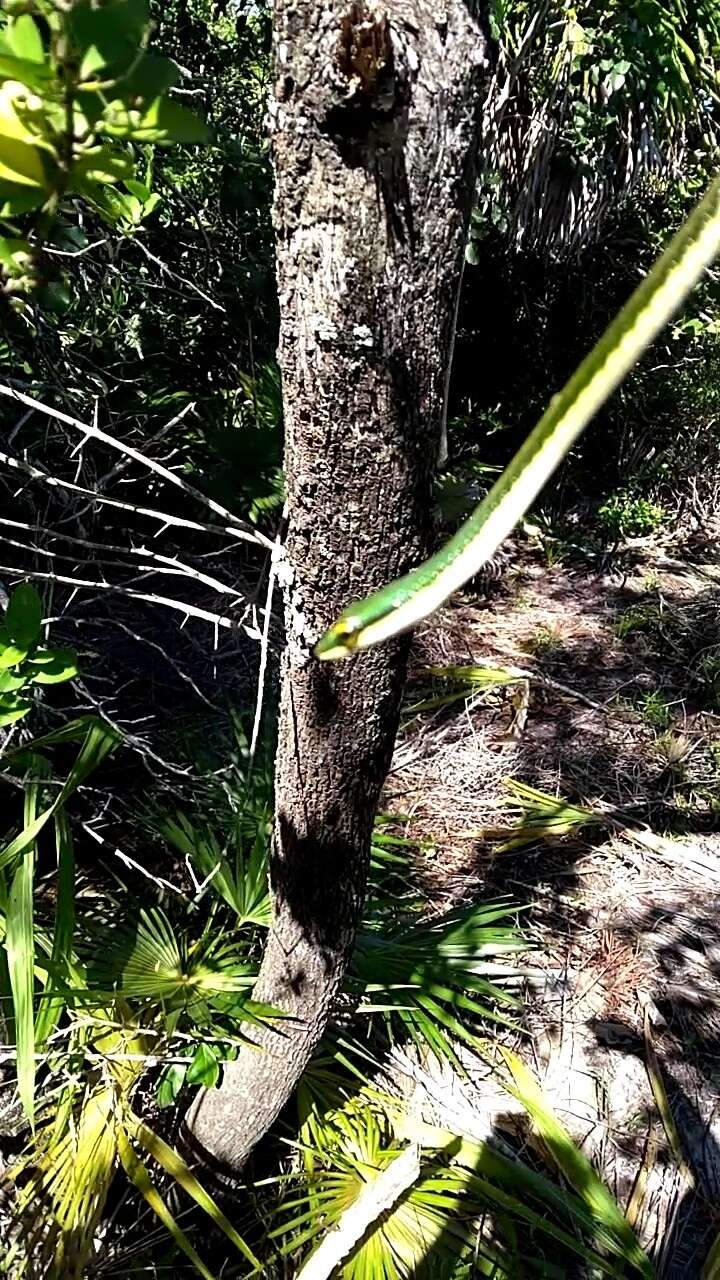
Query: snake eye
(340, 640)
(348, 630)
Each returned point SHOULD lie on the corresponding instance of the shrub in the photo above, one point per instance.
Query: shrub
(626, 515)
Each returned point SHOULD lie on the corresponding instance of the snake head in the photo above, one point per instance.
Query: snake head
(340, 639)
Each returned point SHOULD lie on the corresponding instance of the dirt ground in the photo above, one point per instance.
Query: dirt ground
(617, 708)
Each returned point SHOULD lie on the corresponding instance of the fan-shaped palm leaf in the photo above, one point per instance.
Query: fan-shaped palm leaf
(235, 869)
(438, 1221)
(428, 980)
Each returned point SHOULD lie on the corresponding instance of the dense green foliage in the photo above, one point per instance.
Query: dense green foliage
(157, 297)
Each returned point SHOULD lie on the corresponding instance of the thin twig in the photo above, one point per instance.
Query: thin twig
(184, 675)
(123, 463)
(163, 517)
(180, 606)
(182, 279)
(95, 433)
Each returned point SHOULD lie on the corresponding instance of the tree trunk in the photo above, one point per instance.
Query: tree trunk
(375, 123)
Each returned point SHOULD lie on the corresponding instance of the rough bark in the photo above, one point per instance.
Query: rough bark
(375, 124)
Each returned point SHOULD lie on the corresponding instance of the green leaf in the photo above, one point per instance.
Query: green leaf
(99, 741)
(20, 948)
(44, 657)
(24, 615)
(73, 731)
(10, 653)
(9, 713)
(139, 1176)
(110, 36)
(90, 105)
(711, 1268)
(174, 1164)
(103, 164)
(151, 204)
(21, 163)
(52, 1007)
(24, 39)
(55, 297)
(62, 666)
(111, 204)
(10, 681)
(172, 1081)
(150, 77)
(204, 1068)
(14, 254)
(138, 189)
(161, 121)
(575, 1166)
(33, 75)
(16, 199)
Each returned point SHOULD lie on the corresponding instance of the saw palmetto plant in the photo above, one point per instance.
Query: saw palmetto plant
(464, 1204)
(154, 996)
(65, 1175)
(437, 981)
(170, 990)
(98, 998)
(544, 817)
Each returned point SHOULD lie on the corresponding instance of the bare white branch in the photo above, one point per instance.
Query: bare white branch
(73, 253)
(125, 858)
(376, 1198)
(163, 517)
(180, 606)
(165, 564)
(95, 433)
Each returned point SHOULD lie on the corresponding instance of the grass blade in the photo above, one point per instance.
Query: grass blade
(20, 947)
(52, 1006)
(100, 740)
(611, 1225)
(662, 1101)
(140, 1178)
(173, 1163)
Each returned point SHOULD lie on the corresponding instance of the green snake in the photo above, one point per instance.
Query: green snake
(401, 605)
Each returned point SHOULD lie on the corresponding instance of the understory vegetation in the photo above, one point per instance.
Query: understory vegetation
(545, 861)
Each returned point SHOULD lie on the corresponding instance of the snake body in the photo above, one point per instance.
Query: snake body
(401, 605)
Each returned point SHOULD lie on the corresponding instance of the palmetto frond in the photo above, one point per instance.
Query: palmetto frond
(151, 963)
(544, 817)
(65, 1175)
(234, 868)
(429, 980)
(468, 1202)
(358, 1150)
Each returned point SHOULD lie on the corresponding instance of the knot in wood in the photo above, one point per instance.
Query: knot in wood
(364, 55)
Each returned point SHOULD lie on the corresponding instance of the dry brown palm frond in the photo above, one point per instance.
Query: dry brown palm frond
(570, 130)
